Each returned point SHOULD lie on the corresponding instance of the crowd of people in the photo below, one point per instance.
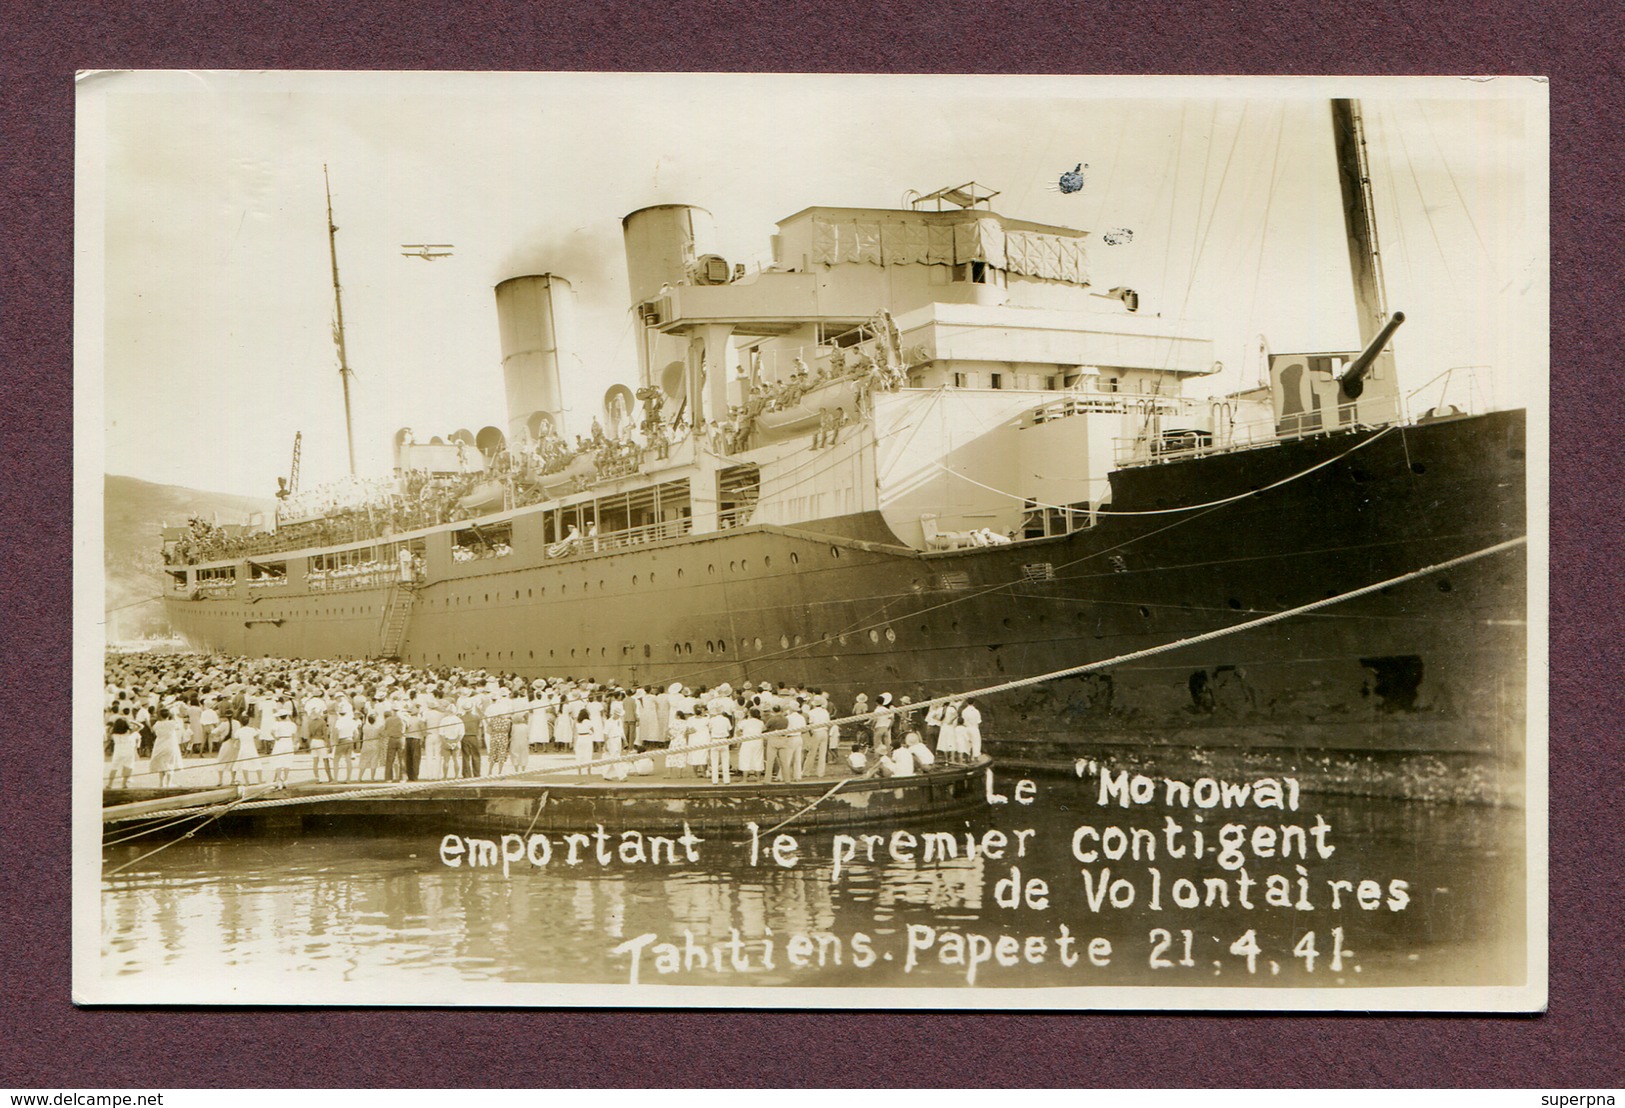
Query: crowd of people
(357, 509)
(269, 720)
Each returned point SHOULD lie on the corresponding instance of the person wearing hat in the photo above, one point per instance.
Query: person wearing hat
(863, 731)
(883, 723)
(815, 761)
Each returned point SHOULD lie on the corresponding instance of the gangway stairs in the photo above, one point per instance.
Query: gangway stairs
(397, 615)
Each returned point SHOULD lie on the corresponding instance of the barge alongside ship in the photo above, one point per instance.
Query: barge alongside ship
(921, 454)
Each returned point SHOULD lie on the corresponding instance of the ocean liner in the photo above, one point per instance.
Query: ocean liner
(921, 453)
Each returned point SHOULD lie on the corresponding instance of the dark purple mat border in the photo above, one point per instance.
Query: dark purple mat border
(45, 1041)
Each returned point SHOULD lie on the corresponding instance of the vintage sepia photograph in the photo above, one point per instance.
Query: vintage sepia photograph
(828, 541)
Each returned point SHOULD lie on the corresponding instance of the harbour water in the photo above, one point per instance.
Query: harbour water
(1409, 894)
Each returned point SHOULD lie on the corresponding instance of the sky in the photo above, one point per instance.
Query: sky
(205, 290)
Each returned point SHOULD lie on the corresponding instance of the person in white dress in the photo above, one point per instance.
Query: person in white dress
(166, 748)
(677, 744)
(283, 735)
(948, 731)
(126, 741)
(752, 750)
(970, 731)
(587, 735)
(699, 733)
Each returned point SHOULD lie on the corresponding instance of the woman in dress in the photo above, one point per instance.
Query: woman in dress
(126, 740)
(564, 727)
(499, 731)
(247, 759)
(699, 733)
(752, 751)
(226, 751)
(970, 731)
(372, 747)
(166, 747)
(519, 735)
(586, 734)
(283, 735)
(948, 733)
(677, 744)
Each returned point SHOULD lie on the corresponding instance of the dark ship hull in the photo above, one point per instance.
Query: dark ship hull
(1418, 690)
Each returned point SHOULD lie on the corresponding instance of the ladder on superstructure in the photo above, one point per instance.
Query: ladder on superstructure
(397, 614)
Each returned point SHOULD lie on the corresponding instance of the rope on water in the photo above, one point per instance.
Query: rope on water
(581, 768)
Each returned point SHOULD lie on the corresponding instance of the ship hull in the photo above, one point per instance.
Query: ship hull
(1427, 678)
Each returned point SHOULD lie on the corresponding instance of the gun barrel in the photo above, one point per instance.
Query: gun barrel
(1353, 379)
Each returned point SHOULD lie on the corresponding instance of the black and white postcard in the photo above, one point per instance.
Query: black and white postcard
(811, 541)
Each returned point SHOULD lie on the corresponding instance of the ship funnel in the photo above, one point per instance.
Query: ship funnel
(664, 248)
(535, 315)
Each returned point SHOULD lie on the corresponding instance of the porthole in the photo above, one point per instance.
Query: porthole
(925, 629)
(722, 646)
(767, 561)
(679, 573)
(1234, 604)
(516, 594)
(710, 647)
(733, 567)
(834, 552)
(688, 648)
(711, 570)
(1418, 468)
(1145, 613)
(1007, 622)
(744, 566)
(1445, 585)
(647, 652)
(488, 598)
(758, 644)
(531, 653)
(842, 638)
(784, 642)
(677, 649)
(634, 579)
(874, 636)
(798, 640)
(600, 584)
(795, 559)
(891, 636)
(530, 594)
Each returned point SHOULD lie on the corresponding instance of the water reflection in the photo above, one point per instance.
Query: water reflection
(385, 909)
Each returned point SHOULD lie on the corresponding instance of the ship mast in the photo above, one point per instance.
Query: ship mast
(345, 372)
(1354, 176)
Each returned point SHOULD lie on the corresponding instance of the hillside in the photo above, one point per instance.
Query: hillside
(134, 514)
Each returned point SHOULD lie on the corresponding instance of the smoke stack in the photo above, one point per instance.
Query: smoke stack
(535, 316)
